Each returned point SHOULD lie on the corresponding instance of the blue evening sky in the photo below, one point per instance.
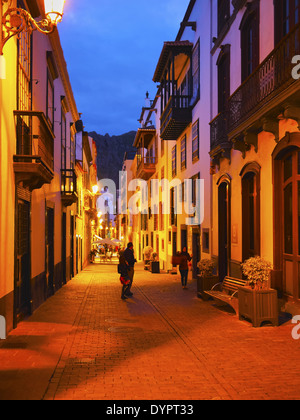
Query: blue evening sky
(112, 48)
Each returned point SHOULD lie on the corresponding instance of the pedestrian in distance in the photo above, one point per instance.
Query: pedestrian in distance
(185, 258)
(124, 277)
(129, 257)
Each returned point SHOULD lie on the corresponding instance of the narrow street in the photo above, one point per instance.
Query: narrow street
(162, 344)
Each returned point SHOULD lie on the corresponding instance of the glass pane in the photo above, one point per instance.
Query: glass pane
(288, 219)
(288, 167)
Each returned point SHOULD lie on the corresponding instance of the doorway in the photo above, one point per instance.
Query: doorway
(49, 251)
(64, 248)
(224, 228)
(23, 269)
(196, 253)
(290, 222)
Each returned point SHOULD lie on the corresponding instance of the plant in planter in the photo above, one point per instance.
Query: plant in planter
(257, 270)
(154, 256)
(206, 268)
(206, 278)
(147, 256)
(258, 302)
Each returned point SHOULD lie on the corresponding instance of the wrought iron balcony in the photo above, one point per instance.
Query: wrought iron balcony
(220, 146)
(176, 116)
(68, 187)
(256, 104)
(260, 91)
(34, 160)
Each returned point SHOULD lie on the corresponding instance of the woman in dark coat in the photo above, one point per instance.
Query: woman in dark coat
(124, 278)
(184, 266)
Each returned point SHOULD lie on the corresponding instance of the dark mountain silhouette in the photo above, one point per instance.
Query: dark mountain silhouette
(110, 153)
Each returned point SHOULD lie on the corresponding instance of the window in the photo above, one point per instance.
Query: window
(251, 210)
(183, 153)
(24, 71)
(50, 99)
(162, 224)
(162, 145)
(250, 40)
(223, 78)
(63, 141)
(196, 73)
(173, 215)
(223, 14)
(194, 188)
(174, 163)
(195, 141)
(72, 152)
(286, 17)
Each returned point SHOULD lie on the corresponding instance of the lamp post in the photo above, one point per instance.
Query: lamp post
(15, 20)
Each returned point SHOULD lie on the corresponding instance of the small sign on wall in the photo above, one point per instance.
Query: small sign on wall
(234, 239)
(2, 328)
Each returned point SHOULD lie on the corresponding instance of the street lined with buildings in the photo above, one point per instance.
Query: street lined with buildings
(162, 344)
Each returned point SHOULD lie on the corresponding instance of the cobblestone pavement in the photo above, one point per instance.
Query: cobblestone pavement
(162, 344)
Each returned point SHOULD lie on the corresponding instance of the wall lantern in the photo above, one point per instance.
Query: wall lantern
(15, 20)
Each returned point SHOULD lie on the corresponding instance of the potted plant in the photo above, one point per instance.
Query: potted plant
(257, 300)
(147, 257)
(206, 278)
(154, 264)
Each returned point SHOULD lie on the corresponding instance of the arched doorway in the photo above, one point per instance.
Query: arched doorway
(286, 166)
(224, 225)
(250, 210)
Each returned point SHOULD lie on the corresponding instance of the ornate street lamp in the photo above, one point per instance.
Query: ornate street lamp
(16, 20)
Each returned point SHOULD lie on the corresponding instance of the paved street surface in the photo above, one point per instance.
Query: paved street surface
(162, 344)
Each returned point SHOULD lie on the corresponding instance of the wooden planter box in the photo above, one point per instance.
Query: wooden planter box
(154, 267)
(258, 306)
(205, 283)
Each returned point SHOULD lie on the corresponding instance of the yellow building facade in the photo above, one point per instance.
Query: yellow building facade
(40, 138)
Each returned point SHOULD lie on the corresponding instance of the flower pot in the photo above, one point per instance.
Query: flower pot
(258, 306)
(205, 283)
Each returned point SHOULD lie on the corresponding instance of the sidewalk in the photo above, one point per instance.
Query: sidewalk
(162, 344)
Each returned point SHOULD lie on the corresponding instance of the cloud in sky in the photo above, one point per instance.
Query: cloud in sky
(111, 48)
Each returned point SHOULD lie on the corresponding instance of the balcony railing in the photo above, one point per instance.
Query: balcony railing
(271, 77)
(219, 130)
(68, 187)
(34, 159)
(176, 116)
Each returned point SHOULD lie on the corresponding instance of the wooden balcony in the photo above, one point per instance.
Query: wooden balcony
(146, 167)
(68, 187)
(176, 116)
(34, 160)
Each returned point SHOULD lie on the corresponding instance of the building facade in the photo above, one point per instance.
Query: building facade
(39, 201)
(255, 140)
(173, 146)
(226, 111)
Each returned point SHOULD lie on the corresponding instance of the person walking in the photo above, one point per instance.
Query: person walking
(124, 277)
(184, 267)
(129, 257)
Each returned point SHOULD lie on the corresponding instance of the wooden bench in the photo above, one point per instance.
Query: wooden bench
(227, 292)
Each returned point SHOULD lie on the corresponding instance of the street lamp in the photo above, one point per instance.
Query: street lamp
(15, 20)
